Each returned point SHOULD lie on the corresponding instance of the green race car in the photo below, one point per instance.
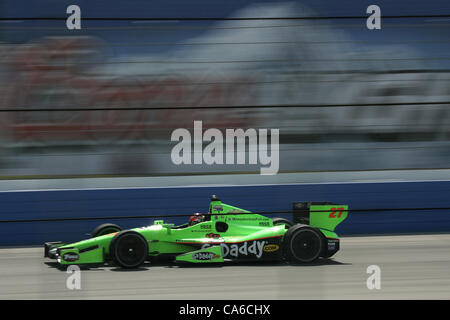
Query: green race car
(225, 233)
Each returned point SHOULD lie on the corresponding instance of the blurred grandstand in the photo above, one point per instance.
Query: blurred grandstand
(343, 97)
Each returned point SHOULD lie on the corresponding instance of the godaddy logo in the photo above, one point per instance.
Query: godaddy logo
(229, 149)
(70, 256)
(247, 248)
(203, 256)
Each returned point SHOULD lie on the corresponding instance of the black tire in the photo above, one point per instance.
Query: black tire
(278, 221)
(128, 249)
(303, 244)
(105, 228)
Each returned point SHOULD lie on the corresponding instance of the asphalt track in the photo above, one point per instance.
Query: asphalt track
(412, 267)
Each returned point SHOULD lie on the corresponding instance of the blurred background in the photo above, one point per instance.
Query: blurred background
(86, 118)
(354, 99)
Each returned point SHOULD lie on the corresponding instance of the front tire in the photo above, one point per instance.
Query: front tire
(105, 228)
(303, 244)
(128, 249)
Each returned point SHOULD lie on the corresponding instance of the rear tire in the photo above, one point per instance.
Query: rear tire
(303, 244)
(128, 249)
(105, 228)
(278, 221)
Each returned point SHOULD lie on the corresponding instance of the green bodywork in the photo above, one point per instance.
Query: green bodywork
(251, 236)
(327, 217)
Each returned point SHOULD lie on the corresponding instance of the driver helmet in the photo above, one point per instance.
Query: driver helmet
(196, 218)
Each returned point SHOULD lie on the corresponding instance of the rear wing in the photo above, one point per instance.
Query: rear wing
(325, 215)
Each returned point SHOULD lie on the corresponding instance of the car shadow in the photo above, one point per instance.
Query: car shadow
(118, 269)
(103, 267)
(63, 268)
(321, 262)
(147, 265)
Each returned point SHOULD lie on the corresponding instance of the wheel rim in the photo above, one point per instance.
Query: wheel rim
(130, 250)
(306, 245)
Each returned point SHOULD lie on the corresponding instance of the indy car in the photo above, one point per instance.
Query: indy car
(225, 233)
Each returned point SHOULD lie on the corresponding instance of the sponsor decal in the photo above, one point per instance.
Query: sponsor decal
(70, 256)
(264, 223)
(202, 228)
(218, 208)
(246, 249)
(271, 247)
(212, 235)
(331, 244)
(204, 256)
(248, 218)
